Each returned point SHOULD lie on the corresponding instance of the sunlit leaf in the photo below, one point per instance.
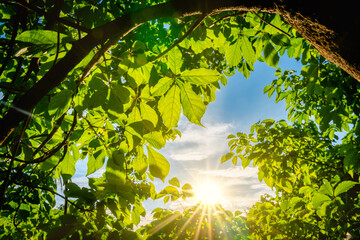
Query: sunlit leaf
(271, 55)
(193, 106)
(233, 53)
(344, 187)
(60, 103)
(170, 107)
(162, 86)
(175, 60)
(115, 171)
(158, 165)
(200, 76)
(175, 182)
(95, 161)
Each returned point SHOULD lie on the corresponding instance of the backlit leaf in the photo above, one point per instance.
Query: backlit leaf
(95, 161)
(271, 55)
(319, 199)
(67, 166)
(233, 53)
(200, 76)
(175, 182)
(161, 87)
(158, 165)
(170, 107)
(60, 103)
(175, 60)
(193, 106)
(344, 187)
(115, 171)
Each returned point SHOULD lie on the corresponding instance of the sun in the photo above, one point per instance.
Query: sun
(209, 193)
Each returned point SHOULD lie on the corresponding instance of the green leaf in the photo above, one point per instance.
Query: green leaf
(319, 199)
(161, 87)
(193, 106)
(135, 217)
(40, 42)
(140, 164)
(156, 139)
(42, 37)
(344, 187)
(247, 50)
(141, 75)
(310, 71)
(201, 76)
(158, 165)
(121, 92)
(148, 113)
(227, 157)
(175, 60)
(280, 40)
(233, 53)
(170, 190)
(60, 103)
(271, 55)
(67, 166)
(170, 107)
(115, 171)
(98, 98)
(175, 182)
(95, 161)
(326, 188)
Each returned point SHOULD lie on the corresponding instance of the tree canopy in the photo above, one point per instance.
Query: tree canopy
(107, 81)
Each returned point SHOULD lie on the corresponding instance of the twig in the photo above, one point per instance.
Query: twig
(11, 44)
(96, 59)
(225, 17)
(57, 45)
(7, 177)
(262, 19)
(11, 157)
(77, 26)
(57, 148)
(51, 134)
(179, 40)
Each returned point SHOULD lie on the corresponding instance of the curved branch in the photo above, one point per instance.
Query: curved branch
(117, 28)
(179, 40)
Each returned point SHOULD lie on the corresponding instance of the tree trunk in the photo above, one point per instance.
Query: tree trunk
(333, 30)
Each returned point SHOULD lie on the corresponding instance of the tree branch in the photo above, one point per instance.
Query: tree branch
(5, 184)
(179, 40)
(279, 29)
(118, 28)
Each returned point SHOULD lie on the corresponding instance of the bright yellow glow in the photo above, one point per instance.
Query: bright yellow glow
(208, 193)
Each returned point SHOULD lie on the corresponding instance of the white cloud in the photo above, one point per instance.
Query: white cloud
(198, 143)
(231, 172)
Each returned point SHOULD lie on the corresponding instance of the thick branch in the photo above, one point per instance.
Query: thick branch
(177, 9)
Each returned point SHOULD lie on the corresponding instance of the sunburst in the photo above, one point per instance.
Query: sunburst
(209, 193)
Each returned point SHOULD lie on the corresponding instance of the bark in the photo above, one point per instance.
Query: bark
(333, 29)
(334, 36)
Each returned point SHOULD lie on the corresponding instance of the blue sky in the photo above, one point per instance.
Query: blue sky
(195, 156)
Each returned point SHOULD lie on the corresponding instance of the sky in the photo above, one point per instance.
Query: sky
(195, 156)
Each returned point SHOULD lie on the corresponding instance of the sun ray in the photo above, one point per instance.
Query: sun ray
(199, 224)
(162, 224)
(187, 222)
